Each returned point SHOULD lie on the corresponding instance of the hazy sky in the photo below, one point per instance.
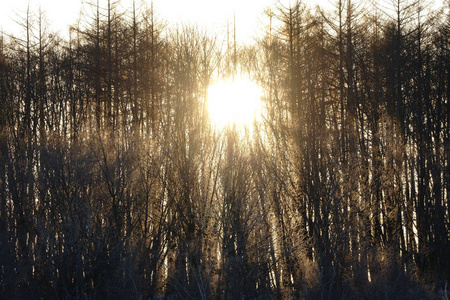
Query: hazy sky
(212, 14)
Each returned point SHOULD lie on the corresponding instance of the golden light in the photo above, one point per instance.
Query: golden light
(234, 101)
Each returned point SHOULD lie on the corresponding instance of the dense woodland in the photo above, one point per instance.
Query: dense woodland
(115, 184)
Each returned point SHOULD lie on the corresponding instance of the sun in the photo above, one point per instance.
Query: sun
(234, 102)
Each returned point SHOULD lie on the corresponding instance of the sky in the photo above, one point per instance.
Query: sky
(210, 14)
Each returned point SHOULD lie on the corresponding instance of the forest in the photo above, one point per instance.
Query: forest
(114, 183)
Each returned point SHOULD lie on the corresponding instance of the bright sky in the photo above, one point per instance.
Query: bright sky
(210, 14)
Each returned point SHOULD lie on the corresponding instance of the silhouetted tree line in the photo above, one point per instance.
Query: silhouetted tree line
(115, 184)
